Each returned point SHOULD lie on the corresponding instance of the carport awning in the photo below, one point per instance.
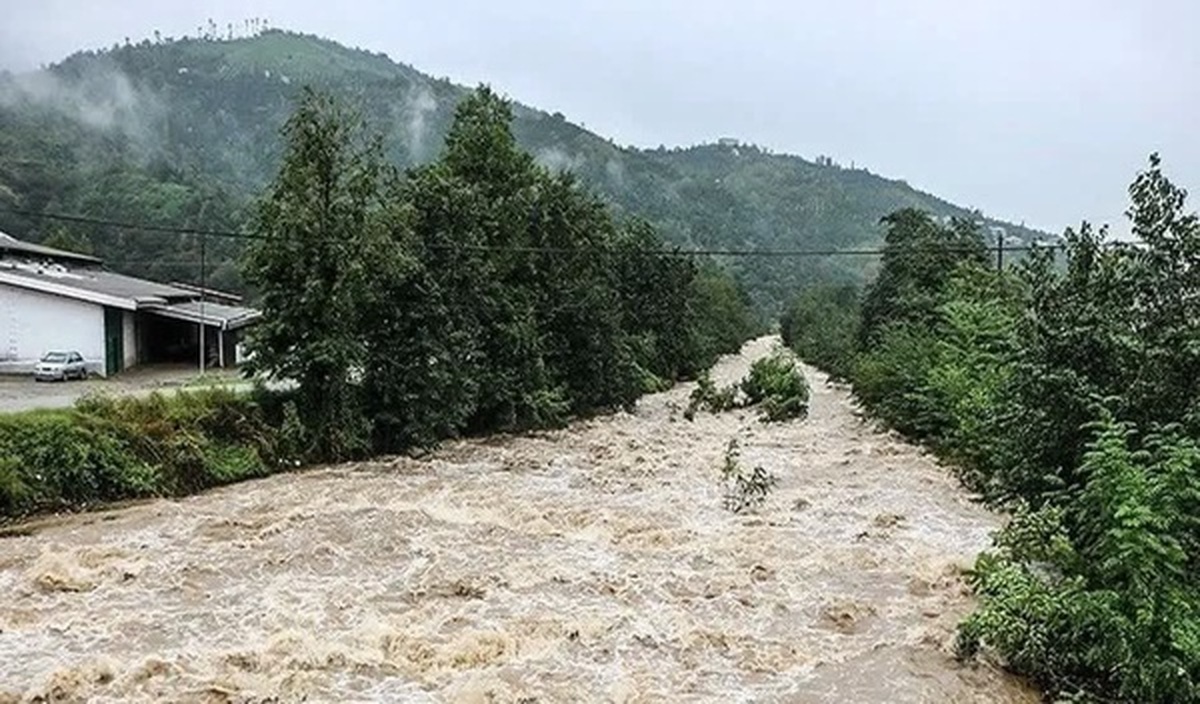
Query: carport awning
(214, 314)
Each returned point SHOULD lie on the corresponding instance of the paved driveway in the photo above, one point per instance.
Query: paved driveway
(22, 393)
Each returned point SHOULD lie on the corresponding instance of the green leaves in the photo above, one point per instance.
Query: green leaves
(920, 258)
(776, 382)
(480, 292)
(1101, 593)
(821, 325)
(323, 239)
(743, 490)
(107, 449)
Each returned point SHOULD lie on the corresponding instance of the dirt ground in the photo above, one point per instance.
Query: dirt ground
(22, 393)
(594, 563)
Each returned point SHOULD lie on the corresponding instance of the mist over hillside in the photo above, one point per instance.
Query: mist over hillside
(185, 132)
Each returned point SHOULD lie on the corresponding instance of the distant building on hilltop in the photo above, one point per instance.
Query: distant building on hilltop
(56, 300)
(728, 142)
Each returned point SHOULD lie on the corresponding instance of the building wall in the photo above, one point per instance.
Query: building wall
(32, 323)
(129, 338)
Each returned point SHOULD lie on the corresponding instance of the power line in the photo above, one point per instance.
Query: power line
(144, 227)
(746, 253)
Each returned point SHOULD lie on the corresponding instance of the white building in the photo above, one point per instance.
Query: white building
(56, 300)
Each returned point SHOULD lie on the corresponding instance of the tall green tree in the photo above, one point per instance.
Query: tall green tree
(484, 231)
(821, 325)
(920, 257)
(319, 231)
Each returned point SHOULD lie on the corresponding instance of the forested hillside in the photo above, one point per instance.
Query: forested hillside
(185, 132)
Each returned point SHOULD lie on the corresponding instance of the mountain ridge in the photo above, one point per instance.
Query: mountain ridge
(176, 131)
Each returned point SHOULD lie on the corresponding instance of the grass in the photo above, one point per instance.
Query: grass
(109, 449)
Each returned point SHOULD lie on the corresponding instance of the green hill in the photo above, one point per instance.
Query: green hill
(185, 132)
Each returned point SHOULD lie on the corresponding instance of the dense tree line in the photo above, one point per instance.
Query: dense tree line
(478, 292)
(1068, 390)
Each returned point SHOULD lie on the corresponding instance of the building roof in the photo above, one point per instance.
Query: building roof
(209, 293)
(12, 245)
(218, 315)
(47, 270)
(88, 284)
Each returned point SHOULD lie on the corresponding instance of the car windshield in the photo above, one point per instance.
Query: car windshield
(55, 357)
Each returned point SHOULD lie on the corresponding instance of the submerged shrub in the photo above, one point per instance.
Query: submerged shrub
(743, 490)
(706, 396)
(777, 383)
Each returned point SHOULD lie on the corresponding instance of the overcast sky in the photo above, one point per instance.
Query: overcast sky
(1034, 110)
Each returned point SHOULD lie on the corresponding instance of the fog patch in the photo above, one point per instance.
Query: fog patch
(419, 105)
(105, 100)
(616, 172)
(556, 159)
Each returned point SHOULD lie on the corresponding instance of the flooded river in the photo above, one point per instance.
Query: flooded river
(594, 563)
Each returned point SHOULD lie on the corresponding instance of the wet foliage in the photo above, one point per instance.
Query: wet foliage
(1068, 389)
(707, 396)
(108, 449)
(743, 490)
(777, 386)
(480, 292)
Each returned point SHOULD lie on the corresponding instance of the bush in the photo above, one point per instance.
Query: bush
(1102, 594)
(13, 490)
(60, 460)
(744, 491)
(821, 326)
(777, 383)
(108, 449)
(891, 380)
(706, 396)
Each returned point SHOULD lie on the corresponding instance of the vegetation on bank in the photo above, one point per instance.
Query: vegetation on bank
(1068, 390)
(108, 449)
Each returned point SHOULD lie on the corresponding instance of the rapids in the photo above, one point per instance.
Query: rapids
(594, 563)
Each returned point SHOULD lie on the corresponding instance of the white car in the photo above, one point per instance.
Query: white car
(60, 366)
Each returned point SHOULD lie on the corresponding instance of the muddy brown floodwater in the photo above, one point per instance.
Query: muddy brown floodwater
(594, 563)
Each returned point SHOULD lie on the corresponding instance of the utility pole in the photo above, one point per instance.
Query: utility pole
(1000, 253)
(203, 241)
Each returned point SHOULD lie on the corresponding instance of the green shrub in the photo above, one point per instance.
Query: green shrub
(14, 492)
(706, 396)
(225, 464)
(62, 460)
(821, 325)
(891, 379)
(107, 449)
(293, 439)
(743, 491)
(778, 384)
(1102, 595)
